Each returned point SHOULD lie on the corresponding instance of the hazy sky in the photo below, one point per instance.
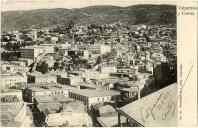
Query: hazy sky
(10, 5)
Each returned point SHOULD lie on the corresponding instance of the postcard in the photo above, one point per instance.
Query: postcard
(98, 63)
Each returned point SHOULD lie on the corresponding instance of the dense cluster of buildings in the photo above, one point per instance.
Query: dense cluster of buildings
(87, 75)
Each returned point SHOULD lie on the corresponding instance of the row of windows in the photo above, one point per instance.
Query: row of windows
(57, 93)
(46, 79)
(103, 98)
(12, 80)
(12, 84)
(78, 97)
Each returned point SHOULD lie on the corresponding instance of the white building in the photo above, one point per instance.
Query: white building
(54, 38)
(107, 69)
(71, 80)
(9, 80)
(72, 52)
(99, 48)
(14, 112)
(13, 68)
(33, 52)
(12, 92)
(40, 78)
(91, 97)
(72, 114)
(34, 90)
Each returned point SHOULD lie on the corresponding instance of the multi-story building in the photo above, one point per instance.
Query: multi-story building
(159, 57)
(9, 79)
(31, 34)
(99, 48)
(107, 69)
(13, 68)
(71, 80)
(27, 62)
(91, 97)
(33, 90)
(69, 114)
(14, 112)
(74, 52)
(18, 63)
(33, 52)
(30, 53)
(17, 94)
(40, 78)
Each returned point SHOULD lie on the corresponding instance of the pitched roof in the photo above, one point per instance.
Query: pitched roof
(137, 84)
(106, 110)
(110, 121)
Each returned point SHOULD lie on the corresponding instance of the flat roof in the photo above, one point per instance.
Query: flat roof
(156, 109)
(52, 98)
(129, 89)
(10, 90)
(111, 80)
(10, 74)
(47, 86)
(74, 106)
(87, 84)
(95, 93)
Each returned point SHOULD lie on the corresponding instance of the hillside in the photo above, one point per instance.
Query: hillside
(137, 14)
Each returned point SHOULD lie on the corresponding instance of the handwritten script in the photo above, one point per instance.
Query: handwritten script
(163, 100)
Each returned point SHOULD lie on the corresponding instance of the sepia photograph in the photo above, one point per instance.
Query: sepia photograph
(88, 63)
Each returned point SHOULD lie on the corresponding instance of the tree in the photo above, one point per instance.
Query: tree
(93, 26)
(71, 24)
(147, 38)
(43, 67)
(4, 56)
(15, 46)
(10, 56)
(63, 64)
(8, 46)
(56, 65)
(99, 60)
(37, 67)
(55, 49)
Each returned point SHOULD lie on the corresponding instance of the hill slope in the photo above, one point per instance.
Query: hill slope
(137, 14)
